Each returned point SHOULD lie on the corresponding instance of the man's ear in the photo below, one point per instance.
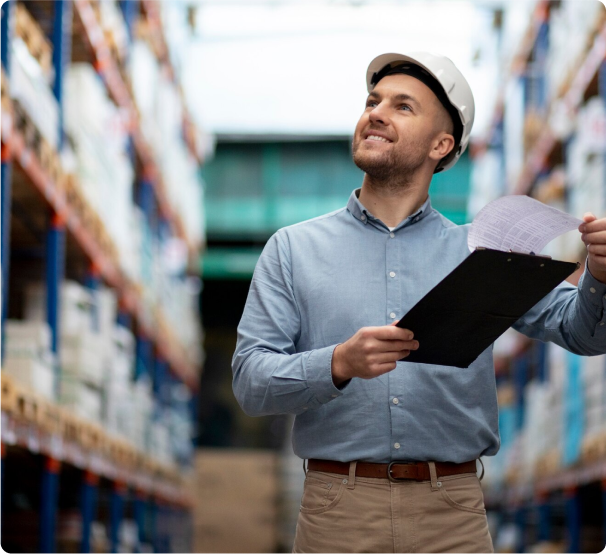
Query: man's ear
(442, 146)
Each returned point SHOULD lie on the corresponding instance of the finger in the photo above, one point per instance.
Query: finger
(380, 369)
(593, 225)
(387, 357)
(597, 249)
(598, 237)
(397, 345)
(390, 332)
(393, 323)
(588, 216)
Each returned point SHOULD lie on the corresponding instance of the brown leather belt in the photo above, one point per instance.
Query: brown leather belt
(394, 471)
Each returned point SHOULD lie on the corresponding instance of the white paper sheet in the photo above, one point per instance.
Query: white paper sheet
(518, 223)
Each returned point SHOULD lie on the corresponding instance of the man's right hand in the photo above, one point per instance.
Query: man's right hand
(371, 352)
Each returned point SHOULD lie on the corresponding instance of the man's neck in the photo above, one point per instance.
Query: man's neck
(392, 205)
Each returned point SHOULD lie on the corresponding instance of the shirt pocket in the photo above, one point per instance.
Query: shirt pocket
(321, 493)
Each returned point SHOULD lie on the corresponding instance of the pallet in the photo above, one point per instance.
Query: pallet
(73, 427)
(24, 125)
(9, 394)
(92, 437)
(32, 35)
(51, 419)
(7, 105)
(593, 448)
(28, 405)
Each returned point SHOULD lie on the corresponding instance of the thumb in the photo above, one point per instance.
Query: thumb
(394, 323)
(589, 217)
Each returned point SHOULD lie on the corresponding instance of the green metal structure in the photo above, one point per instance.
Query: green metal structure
(256, 185)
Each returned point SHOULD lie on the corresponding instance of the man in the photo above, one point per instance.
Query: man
(391, 446)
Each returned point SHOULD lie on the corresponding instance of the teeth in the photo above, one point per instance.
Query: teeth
(375, 137)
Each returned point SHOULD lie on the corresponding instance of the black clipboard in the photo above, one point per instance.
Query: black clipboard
(477, 302)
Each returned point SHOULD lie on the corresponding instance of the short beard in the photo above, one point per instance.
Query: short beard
(394, 173)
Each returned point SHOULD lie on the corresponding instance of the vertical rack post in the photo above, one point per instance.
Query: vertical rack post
(604, 511)
(573, 519)
(93, 282)
(6, 34)
(520, 367)
(153, 512)
(48, 504)
(124, 318)
(88, 500)
(544, 517)
(55, 265)
(129, 11)
(144, 355)
(116, 513)
(62, 34)
(2, 469)
(139, 515)
(161, 381)
(520, 519)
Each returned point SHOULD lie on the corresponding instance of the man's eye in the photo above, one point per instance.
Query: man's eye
(371, 104)
(405, 107)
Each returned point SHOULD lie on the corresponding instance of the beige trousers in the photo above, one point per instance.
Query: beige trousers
(342, 513)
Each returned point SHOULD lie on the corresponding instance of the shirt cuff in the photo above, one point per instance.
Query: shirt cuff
(319, 375)
(593, 291)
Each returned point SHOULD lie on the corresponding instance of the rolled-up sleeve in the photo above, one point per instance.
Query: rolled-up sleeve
(269, 375)
(574, 318)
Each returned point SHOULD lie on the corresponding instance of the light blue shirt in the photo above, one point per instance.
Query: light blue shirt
(320, 281)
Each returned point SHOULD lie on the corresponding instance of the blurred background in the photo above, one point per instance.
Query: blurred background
(150, 148)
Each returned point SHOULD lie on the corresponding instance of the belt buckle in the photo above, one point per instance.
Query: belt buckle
(395, 479)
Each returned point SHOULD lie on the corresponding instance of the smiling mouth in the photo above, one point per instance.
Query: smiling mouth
(377, 138)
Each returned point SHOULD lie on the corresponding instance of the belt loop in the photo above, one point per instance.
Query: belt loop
(435, 484)
(304, 468)
(482, 464)
(351, 480)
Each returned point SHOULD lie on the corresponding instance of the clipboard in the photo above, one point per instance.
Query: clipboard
(477, 302)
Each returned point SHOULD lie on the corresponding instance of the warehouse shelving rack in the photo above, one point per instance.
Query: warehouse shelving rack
(552, 487)
(156, 493)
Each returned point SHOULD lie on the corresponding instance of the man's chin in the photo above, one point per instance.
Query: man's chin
(371, 164)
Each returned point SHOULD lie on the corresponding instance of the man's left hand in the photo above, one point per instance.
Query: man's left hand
(594, 236)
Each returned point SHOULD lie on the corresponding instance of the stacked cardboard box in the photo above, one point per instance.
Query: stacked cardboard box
(236, 494)
(28, 356)
(85, 352)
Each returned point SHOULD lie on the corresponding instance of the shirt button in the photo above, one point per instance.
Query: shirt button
(602, 323)
(592, 290)
(416, 219)
(363, 218)
(396, 445)
(392, 273)
(392, 315)
(395, 401)
(392, 235)
(335, 395)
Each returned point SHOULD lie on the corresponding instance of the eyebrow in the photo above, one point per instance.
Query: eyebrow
(397, 97)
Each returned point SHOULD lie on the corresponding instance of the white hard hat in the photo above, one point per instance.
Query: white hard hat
(448, 84)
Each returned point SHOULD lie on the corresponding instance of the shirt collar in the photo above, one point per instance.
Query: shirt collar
(356, 209)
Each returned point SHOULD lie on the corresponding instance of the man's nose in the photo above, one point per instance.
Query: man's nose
(379, 114)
